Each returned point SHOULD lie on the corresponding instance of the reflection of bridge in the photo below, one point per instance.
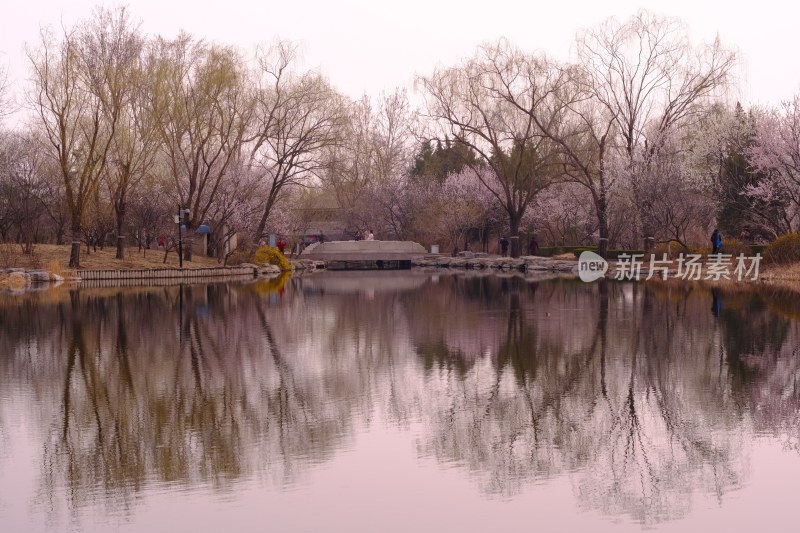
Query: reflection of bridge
(367, 282)
(356, 255)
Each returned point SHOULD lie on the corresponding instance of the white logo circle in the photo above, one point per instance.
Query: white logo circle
(591, 266)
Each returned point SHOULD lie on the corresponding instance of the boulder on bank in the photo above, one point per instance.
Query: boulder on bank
(264, 269)
(307, 264)
(269, 270)
(39, 276)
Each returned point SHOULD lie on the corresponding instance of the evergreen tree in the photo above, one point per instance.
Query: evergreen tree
(437, 163)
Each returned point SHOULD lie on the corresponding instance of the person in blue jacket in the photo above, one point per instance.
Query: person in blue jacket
(716, 242)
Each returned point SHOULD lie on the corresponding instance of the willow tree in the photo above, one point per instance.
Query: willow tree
(201, 104)
(114, 57)
(578, 130)
(488, 105)
(77, 86)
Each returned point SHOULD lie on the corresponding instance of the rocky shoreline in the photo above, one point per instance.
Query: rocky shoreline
(522, 264)
(20, 277)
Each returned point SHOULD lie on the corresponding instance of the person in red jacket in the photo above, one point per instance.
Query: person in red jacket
(281, 245)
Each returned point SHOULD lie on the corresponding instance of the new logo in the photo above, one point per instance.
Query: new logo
(591, 266)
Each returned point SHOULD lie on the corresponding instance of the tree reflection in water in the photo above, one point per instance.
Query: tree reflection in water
(637, 392)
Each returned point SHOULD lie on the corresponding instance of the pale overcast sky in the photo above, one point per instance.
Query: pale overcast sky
(369, 46)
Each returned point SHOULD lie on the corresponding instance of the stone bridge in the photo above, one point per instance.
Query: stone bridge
(364, 255)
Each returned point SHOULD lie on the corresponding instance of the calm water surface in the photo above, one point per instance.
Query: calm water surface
(400, 402)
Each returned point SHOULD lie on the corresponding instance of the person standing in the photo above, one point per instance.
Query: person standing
(281, 245)
(370, 235)
(503, 246)
(533, 246)
(716, 242)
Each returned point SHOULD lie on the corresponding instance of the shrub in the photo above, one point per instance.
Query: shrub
(268, 255)
(242, 255)
(662, 248)
(261, 255)
(784, 249)
(14, 280)
(55, 268)
(9, 254)
(566, 256)
(578, 250)
(701, 250)
(549, 251)
(671, 248)
(736, 247)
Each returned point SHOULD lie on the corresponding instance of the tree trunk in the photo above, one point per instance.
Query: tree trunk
(602, 219)
(120, 247)
(120, 237)
(262, 224)
(76, 234)
(602, 245)
(75, 254)
(187, 246)
(514, 226)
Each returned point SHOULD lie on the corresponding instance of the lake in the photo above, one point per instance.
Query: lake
(400, 401)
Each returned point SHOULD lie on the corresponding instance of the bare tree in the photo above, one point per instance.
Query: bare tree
(372, 162)
(6, 105)
(67, 95)
(583, 136)
(649, 82)
(636, 83)
(295, 117)
(493, 104)
(53, 197)
(23, 190)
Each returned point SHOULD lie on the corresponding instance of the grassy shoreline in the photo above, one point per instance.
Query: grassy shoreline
(55, 258)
